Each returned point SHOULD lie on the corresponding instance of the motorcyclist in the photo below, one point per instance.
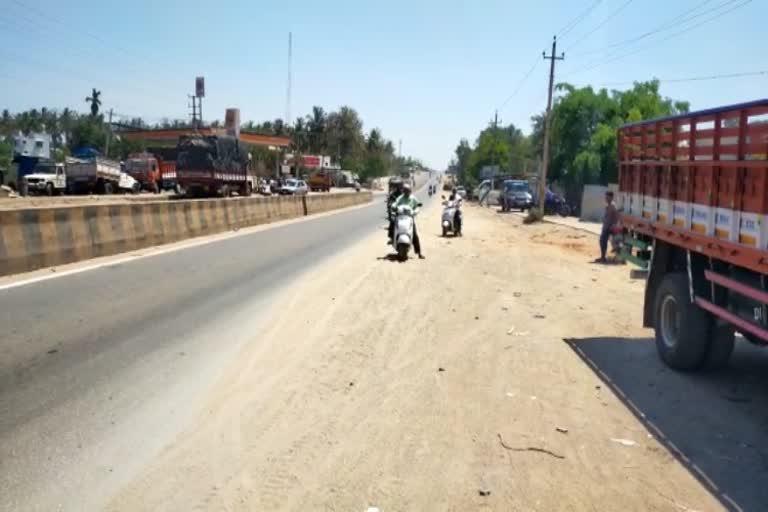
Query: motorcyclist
(406, 199)
(395, 189)
(456, 198)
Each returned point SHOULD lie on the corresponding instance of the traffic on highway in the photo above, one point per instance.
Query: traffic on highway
(353, 257)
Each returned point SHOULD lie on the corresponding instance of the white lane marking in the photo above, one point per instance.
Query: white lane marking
(148, 252)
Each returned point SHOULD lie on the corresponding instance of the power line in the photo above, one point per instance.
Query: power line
(695, 78)
(69, 27)
(614, 58)
(520, 83)
(665, 26)
(575, 21)
(600, 25)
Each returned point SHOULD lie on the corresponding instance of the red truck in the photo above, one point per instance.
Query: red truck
(154, 170)
(214, 165)
(693, 190)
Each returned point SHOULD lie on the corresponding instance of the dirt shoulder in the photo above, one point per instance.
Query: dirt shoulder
(434, 385)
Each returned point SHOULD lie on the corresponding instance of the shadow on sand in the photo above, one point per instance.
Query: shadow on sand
(715, 424)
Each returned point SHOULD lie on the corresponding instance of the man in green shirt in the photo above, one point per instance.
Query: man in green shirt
(407, 199)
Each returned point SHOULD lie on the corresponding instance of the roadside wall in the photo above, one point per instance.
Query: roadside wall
(593, 201)
(44, 237)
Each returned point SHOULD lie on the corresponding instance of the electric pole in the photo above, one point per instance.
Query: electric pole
(288, 92)
(194, 111)
(547, 118)
(109, 134)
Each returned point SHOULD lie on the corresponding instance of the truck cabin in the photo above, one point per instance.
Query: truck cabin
(141, 168)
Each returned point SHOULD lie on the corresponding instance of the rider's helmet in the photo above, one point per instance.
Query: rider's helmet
(406, 186)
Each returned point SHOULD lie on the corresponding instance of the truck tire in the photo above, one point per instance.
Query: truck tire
(721, 341)
(682, 328)
(107, 188)
(49, 189)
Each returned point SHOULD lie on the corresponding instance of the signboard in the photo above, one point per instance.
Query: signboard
(200, 87)
(232, 121)
(489, 171)
(310, 161)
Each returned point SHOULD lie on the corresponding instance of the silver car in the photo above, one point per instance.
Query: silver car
(294, 187)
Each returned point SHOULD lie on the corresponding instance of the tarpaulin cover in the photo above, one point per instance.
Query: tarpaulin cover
(221, 154)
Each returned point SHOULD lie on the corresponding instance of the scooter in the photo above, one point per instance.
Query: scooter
(403, 234)
(451, 220)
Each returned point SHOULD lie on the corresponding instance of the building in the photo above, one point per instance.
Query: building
(35, 145)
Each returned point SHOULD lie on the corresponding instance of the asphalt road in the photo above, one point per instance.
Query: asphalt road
(99, 369)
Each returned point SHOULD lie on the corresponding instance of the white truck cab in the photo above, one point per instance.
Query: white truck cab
(49, 180)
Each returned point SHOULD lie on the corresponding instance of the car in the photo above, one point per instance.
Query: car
(515, 194)
(294, 187)
(462, 191)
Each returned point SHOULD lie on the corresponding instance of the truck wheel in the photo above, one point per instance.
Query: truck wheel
(107, 188)
(721, 341)
(682, 328)
(49, 189)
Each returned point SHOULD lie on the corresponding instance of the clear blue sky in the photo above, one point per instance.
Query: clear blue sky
(427, 72)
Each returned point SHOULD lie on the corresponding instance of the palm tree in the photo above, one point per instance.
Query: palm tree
(95, 101)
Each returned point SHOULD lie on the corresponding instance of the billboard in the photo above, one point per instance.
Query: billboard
(200, 87)
(232, 121)
(489, 171)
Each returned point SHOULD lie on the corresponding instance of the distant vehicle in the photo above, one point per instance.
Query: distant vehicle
(294, 187)
(515, 194)
(555, 204)
(451, 219)
(152, 172)
(461, 191)
(96, 175)
(47, 179)
(128, 184)
(213, 165)
(320, 181)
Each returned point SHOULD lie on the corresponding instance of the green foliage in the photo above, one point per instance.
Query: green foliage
(584, 125)
(504, 146)
(6, 154)
(95, 100)
(582, 140)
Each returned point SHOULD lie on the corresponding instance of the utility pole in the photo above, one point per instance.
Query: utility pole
(109, 133)
(288, 92)
(547, 118)
(194, 111)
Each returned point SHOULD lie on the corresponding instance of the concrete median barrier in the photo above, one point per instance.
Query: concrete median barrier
(44, 237)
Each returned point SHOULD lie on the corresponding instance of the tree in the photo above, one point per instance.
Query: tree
(316, 127)
(95, 100)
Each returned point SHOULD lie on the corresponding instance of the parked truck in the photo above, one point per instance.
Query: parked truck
(213, 165)
(48, 178)
(152, 171)
(693, 191)
(321, 181)
(93, 175)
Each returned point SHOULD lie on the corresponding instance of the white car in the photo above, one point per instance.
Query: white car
(294, 187)
(128, 184)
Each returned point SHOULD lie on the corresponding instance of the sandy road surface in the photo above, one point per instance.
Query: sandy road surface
(415, 386)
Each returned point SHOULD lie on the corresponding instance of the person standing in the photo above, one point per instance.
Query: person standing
(610, 219)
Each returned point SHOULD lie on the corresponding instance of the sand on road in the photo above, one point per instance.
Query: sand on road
(442, 384)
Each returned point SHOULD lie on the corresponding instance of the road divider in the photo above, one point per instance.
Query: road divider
(45, 237)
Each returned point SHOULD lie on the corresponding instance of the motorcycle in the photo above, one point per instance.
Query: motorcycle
(403, 234)
(451, 220)
(555, 204)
